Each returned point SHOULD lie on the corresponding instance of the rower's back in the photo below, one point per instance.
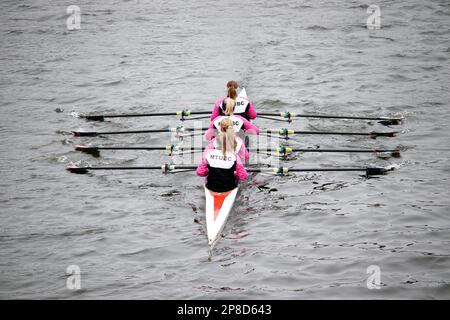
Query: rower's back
(221, 168)
(242, 106)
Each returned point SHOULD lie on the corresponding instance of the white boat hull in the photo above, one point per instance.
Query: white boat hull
(218, 208)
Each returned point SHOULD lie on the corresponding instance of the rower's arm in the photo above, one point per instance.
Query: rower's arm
(251, 112)
(202, 169)
(216, 111)
(250, 128)
(240, 173)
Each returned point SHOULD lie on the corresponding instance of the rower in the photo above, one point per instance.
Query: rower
(239, 123)
(242, 106)
(238, 145)
(222, 167)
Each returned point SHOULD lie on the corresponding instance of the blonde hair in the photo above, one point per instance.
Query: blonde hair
(231, 100)
(226, 139)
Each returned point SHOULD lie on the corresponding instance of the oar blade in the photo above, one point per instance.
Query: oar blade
(94, 118)
(391, 122)
(383, 134)
(78, 170)
(84, 134)
(396, 154)
(94, 151)
(375, 171)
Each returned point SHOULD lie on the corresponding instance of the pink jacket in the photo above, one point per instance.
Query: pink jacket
(242, 152)
(251, 112)
(240, 173)
(247, 127)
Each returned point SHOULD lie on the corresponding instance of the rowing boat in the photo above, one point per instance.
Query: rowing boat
(219, 204)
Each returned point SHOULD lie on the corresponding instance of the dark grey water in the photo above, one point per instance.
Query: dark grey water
(312, 235)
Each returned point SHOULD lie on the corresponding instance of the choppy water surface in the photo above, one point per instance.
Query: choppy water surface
(134, 235)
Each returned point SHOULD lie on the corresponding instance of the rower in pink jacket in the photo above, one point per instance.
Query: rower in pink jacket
(239, 146)
(240, 151)
(242, 106)
(239, 123)
(222, 167)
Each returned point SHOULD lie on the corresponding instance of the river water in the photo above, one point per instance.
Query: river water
(141, 234)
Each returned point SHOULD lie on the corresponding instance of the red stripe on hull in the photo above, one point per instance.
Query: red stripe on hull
(219, 198)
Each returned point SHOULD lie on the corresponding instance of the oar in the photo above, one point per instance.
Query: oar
(99, 133)
(370, 171)
(95, 150)
(284, 151)
(282, 132)
(182, 114)
(286, 132)
(288, 116)
(165, 168)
